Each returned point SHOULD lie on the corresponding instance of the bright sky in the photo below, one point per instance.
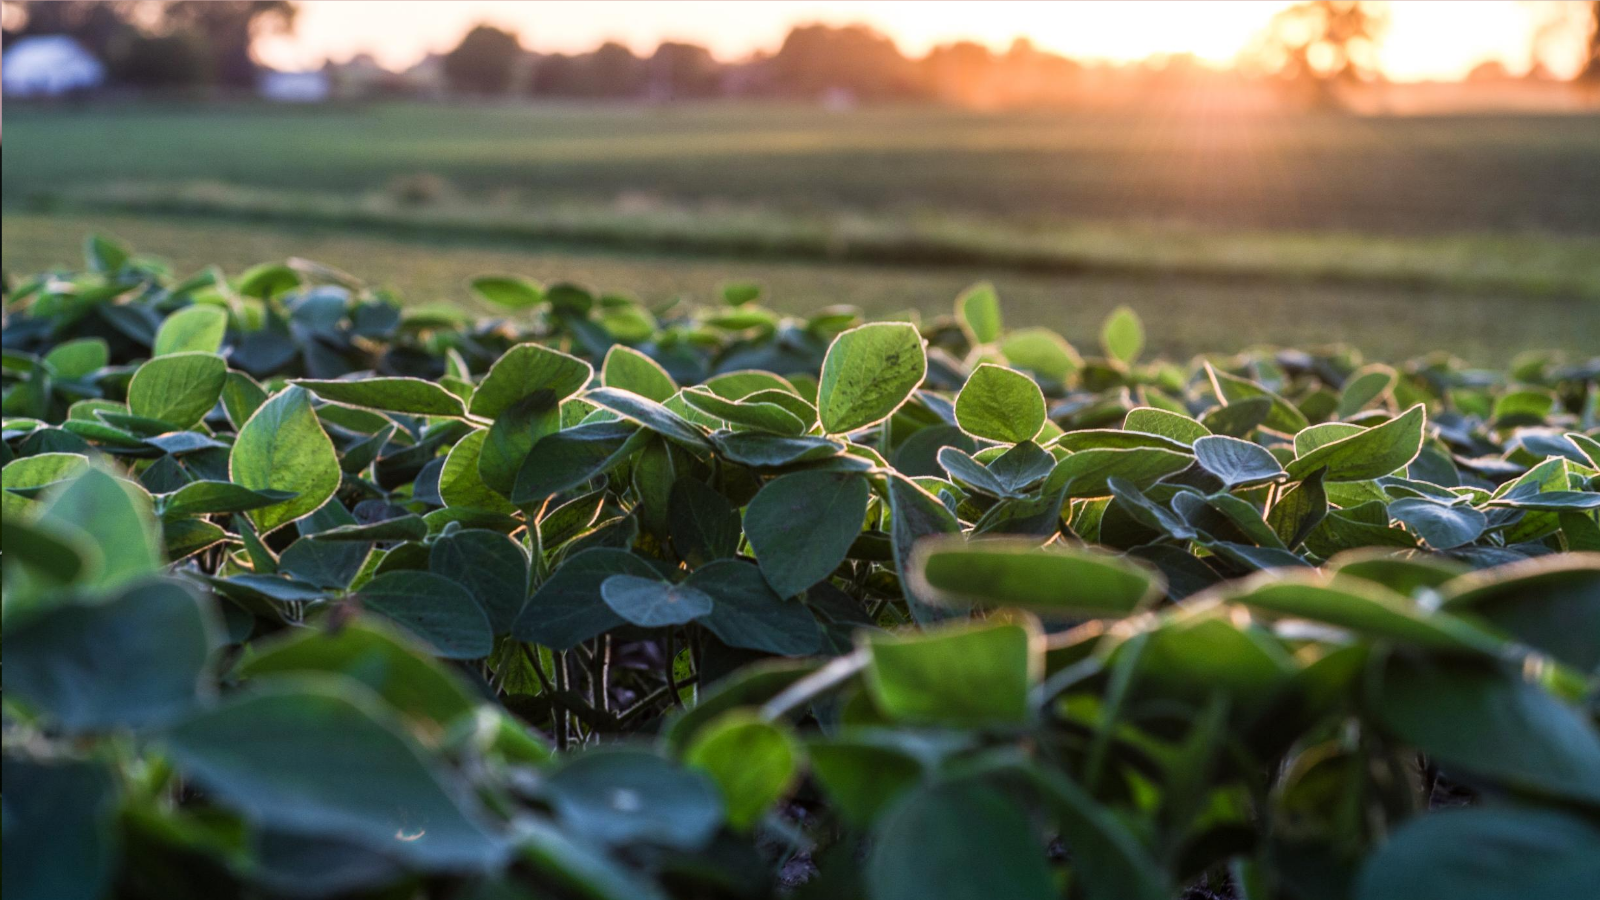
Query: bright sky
(1426, 40)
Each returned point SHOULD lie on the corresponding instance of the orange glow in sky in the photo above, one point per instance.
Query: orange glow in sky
(1426, 39)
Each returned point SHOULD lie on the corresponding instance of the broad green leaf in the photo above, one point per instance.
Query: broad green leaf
(801, 526)
(198, 329)
(1365, 385)
(1000, 404)
(620, 797)
(867, 373)
(747, 613)
(491, 566)
(529, 370)
(1364, 608)
(572, 457)
(178, 389)
(978, 309)
(283, 448)
(1122, 335)
(395, 668)
(61, 834)
(770, 451)
(1086, 473)
(1238, 463)
(1058, 581)
(568, 609)
(1444, 527)
(1485, 853)
(199, 498)
(1282, 415)
(630, 370)
(580, 866)
(508, 291)
(439, 611)
(134, 661)
(653, 602)
(1479, 721)
(511, 438)
(1551, 604)
(412, 396)
(32, 472)
(864, 774)
(967, 674)
(651, 415)
(931, 844)
(753, 762)
(79, 358)
(1042, 352)
(322, 756)
(768, 417)
(1372, 453)
(1150, 420)
(461, 483)
(116, 516)
(704, 525)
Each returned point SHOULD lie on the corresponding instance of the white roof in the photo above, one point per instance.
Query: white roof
(49, 65)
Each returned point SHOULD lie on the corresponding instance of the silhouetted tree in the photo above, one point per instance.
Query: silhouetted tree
(1591, 70)
(173, 60)
(230, 28)
(1317, 45)
(680, 70)
(818, 58)
(484, 62)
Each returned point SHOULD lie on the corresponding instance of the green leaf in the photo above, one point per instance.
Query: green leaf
(411, 396)
(568, 609)
(102, 254)
(393, 667)
(801, 526)
(768, 417)
(508, 291)
(117, 518)
(197, 329)
(622, 797)
(1485, 853)
(1087, 472)
(30, 472)
(178, 389)
(283, 448)
(1057, 580)
(1365, 608)
(61, 833)
(1150, 420)
(932, 845)
(1480, 722)
(1238, 463)
(1551, 604)
(771, 451)
(529, 370)
(869, 371)
(1122, 335)
(704, 525)
(512, 437)
(1042, 352)
(200, 498)
(753, 762)
(1365, 385)
(747, 613)
(978, 310)
(1000, 404)
(653, 602)
(1372, 453)
(1443, 527)
(439, 611)
(575, 456)
(965, 675)
(134, 661)
(491, 566)
(1282, 416)
(1299, 511)
(630, 370)
(322, 756)
(79, 358)
(651, 415)
(460, 482)
(865, 773)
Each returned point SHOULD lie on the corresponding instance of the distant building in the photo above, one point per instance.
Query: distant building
(294, 87)
(49, 65)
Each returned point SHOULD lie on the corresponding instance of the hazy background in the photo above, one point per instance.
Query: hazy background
(1403, 176)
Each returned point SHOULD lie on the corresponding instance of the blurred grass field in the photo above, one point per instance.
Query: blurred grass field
(1479, 235)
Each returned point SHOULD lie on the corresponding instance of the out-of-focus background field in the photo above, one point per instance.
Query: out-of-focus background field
(1473, 231)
